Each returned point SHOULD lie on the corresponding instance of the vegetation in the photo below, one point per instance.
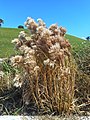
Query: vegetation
(6, 36)
(21, 26)
(11, 101)
(48, 67)
(1, 21)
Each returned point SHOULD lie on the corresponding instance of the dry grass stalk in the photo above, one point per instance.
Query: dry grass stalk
(48, 67)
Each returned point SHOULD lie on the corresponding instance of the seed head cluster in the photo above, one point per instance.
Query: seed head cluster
(46, 62)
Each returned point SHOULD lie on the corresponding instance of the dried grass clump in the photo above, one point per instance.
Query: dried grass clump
(48, 68)
(6, 75)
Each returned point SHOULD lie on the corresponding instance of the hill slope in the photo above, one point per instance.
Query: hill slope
(8, 34)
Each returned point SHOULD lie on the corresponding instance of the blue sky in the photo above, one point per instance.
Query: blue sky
(74, 15)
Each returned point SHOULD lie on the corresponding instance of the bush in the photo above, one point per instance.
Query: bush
(20, 26)
(47, 67)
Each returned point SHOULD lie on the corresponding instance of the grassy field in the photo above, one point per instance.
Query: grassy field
(8, 34)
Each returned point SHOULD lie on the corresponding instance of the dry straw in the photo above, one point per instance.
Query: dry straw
(48, 69)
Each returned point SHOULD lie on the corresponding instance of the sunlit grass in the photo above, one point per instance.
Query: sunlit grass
(6, 36)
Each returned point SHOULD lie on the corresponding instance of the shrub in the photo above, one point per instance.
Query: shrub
(21, 26)
(47, 67)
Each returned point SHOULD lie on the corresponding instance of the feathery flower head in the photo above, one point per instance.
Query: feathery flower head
(41, 22)
(53, 27)
(36, 68)
(22, 34)
(31, 24)
(16, 60)
(15, 40)
(46, 62)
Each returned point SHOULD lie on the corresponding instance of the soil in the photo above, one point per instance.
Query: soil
(11, 103)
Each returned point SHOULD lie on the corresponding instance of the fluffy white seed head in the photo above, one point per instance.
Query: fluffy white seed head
(46, 62)
(15, 40)
(41, 22)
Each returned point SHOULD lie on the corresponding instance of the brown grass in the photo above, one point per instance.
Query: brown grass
(47, 66)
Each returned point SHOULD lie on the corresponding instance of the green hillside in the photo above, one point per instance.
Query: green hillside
(8, 34)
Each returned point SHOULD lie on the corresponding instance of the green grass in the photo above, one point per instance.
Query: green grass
(8, 34)
(80, 47)
(77, 43)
